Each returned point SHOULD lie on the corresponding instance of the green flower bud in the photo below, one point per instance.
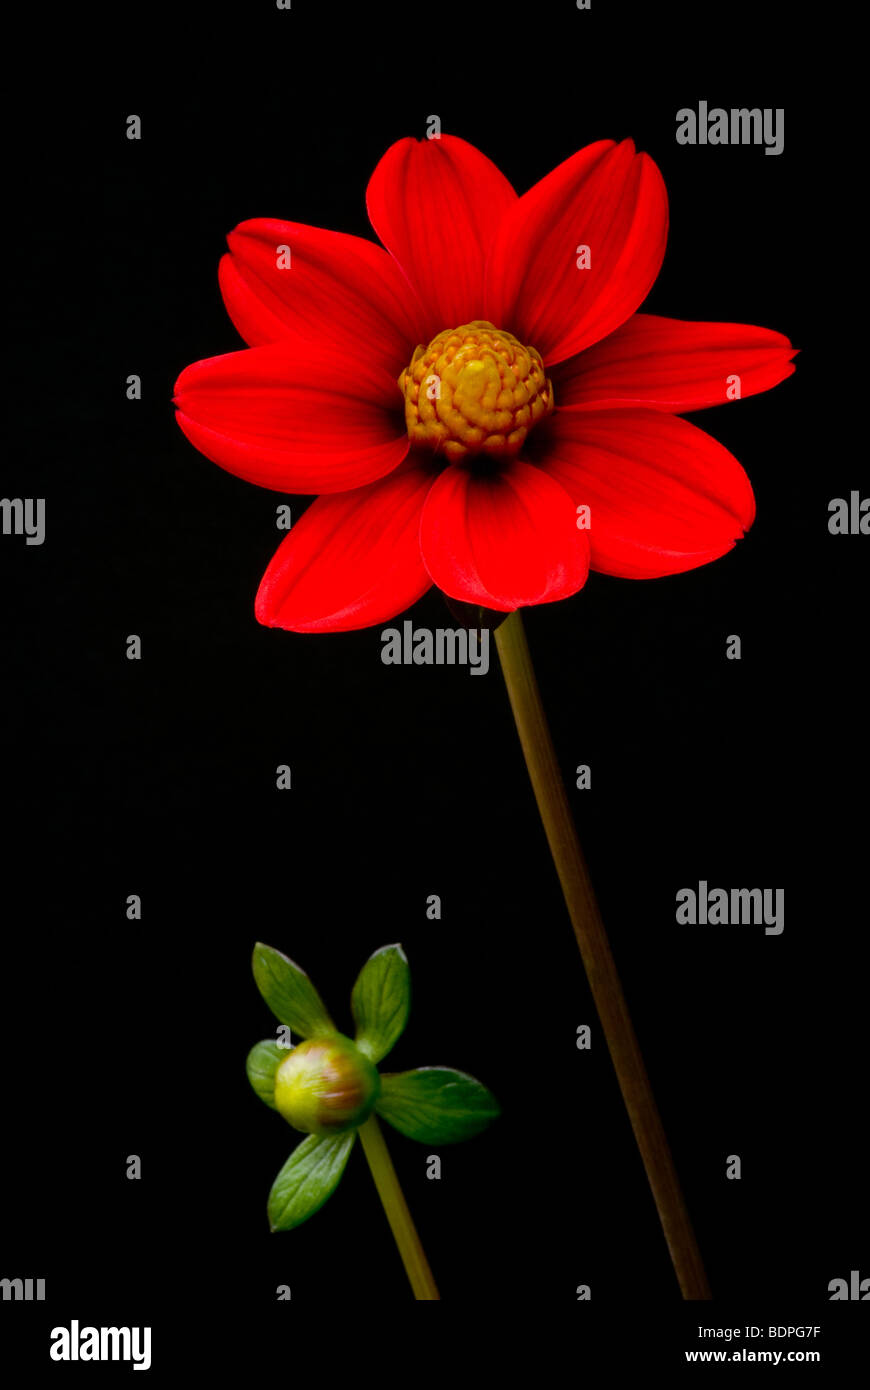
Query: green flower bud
(326, 1085)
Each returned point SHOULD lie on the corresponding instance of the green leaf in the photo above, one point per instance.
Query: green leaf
(310, 1175)
(436, 1105)
(263, 1061)
(380, 1001)
(289, 993)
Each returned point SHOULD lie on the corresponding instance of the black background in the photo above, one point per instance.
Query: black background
(158, 777)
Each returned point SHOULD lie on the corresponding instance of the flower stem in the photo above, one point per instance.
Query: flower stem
(555, 812)
(398, 1215)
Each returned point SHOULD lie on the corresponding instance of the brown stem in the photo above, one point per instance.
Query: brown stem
(558, 822)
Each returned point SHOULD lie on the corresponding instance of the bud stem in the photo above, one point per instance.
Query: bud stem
(398, 1215)
(555, 813)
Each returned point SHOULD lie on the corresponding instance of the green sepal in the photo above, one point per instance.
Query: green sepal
(263, 1061)
(310, 1175)
(436, 1105)
(380, 1001)
(289, 993)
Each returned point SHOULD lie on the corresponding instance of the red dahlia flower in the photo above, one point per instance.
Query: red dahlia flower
(460, 398)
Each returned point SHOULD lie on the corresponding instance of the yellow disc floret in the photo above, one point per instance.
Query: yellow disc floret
(474, 390)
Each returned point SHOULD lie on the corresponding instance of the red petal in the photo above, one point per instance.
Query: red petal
(605, 197)
(504, 540)
(351, 560)
(436, 205)
(293, 417)
(674, 365)
(663, 496)
(337, 288)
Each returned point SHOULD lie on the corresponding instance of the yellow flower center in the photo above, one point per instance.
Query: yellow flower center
(474, 390)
